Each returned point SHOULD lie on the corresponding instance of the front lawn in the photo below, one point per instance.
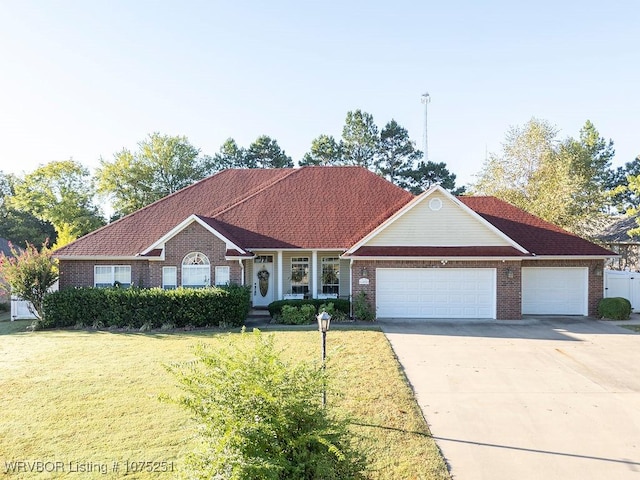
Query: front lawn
(87, 402)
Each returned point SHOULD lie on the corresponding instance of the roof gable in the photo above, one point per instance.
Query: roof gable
(437, 219)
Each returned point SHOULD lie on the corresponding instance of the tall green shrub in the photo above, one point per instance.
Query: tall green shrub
(259, 417)
(152, 308)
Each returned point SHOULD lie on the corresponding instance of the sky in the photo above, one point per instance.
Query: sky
(84, 80)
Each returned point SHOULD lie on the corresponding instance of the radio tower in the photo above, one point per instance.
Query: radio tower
(426, 99)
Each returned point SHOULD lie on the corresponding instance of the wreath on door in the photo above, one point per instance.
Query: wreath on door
(263, 282)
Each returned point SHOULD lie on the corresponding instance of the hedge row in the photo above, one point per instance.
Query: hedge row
(342, 305)
(148, 308)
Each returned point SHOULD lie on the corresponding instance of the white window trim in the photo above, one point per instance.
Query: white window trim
(174, 284)
(329, 261)
(223, 271)
(112, 276)
(204, 265)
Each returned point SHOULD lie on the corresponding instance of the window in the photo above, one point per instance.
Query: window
(111, 275)
(223, 276)
(263, 259)
(300, 275)
(196, 270)
(169, 278)
(331, 275)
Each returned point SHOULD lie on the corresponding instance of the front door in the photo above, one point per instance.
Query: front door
(263, 280)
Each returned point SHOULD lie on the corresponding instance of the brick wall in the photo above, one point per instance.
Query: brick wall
(79, 273)
(148, 273)
(508, 276)
(508, 289)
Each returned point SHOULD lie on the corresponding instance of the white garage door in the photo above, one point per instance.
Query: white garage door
(554, 290)
(436, 292)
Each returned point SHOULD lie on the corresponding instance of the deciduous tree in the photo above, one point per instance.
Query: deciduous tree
(60, 192)
(162, 165)
(565, 183)
(30, 274)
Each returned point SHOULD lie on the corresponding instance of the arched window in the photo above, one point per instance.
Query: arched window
(196, 270)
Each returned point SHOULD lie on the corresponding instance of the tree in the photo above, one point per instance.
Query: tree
(162, 165)
(430, 173)
(590, 158)
(265, 152)
(17, 226)
(396, 153)
(360, 139)
(561, 182)
(62, 193)
(623, 197)
(30, 274)
(324, 151)
(229, 156)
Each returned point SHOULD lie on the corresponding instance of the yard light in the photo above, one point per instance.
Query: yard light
(324, 320)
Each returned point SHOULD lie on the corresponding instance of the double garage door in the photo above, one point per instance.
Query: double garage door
(471, 292)
(436, 292)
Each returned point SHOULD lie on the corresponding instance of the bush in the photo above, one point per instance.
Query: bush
(341, 305)
(614, 308)
(152, 308)
(302, 315)
(336, 315)
(265, 420)
(5, 307)
(362, 309)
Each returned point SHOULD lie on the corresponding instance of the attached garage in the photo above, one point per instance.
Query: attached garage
(436, 292)
(555, 290)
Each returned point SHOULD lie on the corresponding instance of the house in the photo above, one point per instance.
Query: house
(330, 232)
(615, 236)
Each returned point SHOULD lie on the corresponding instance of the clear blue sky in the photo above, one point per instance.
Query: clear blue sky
(83, 79)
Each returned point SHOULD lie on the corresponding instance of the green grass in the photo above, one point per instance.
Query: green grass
(635, 328)
(88, 399)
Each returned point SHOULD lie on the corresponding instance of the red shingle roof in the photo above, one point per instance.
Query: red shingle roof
(533, 233)
(310, 208)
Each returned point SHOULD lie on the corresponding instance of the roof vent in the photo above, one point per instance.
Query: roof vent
(435, 204)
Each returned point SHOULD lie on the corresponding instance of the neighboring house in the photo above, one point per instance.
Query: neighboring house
(337, 231)
(615, 237)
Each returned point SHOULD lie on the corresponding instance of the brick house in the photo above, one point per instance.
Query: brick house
(327, 232)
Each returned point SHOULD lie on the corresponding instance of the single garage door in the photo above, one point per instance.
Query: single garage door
(436, 292)
(554, 290)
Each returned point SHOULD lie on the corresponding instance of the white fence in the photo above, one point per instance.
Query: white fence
(20, 309)
(623, 284)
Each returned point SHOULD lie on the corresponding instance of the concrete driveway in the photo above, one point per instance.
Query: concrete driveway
(542, 398)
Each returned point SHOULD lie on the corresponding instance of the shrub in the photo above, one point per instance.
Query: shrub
(302, 315)
(336, 315)
(152, 308)
(259, 417)
(362, 309)
(340, 304)
(614, 308)
(5, 307)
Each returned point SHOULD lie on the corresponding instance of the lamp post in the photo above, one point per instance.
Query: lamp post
(324, 320)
